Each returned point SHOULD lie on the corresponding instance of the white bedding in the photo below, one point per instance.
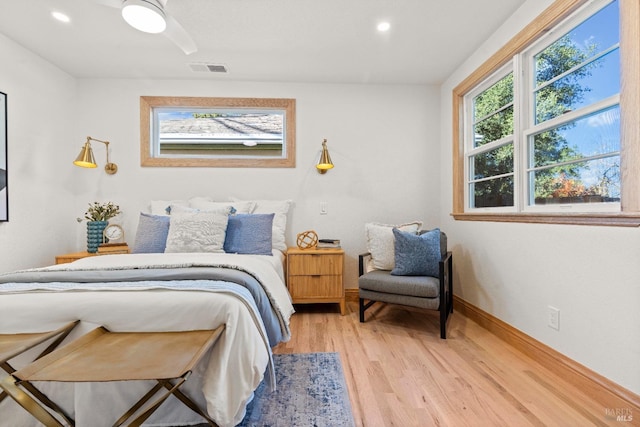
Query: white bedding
(224, 382)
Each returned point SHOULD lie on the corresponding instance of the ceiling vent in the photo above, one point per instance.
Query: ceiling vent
(203, 67)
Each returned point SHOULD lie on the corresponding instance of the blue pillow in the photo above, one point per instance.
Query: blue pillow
(249, 234)
(151, 236)
(417, 255)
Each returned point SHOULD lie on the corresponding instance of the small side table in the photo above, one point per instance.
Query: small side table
(115, 249)
(315, 276)
(65, 258)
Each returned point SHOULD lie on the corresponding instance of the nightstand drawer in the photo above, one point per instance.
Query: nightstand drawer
(314, 264)
(316, 287)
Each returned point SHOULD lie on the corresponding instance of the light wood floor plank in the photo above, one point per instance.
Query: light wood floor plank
(400, 373)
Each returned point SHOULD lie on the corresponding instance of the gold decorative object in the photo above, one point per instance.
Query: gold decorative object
(86, 160)
(307, 240)
(325, 163)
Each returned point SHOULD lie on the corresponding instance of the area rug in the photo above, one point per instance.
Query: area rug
(311, 392)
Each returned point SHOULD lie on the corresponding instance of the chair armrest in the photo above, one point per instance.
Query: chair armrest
(361, 262)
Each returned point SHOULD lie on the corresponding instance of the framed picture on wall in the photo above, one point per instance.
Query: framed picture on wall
(4, 192)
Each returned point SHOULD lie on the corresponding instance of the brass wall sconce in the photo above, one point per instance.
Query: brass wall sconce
(86, 160)
(325, 163)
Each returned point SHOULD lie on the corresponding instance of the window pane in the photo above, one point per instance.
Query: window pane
(494, 162)
(492, 193)
(493, 127)
(596, 34)
(494, 98)
(493, 112)
(595, 181)
(197, 132)
(588, 84)
(593, 135)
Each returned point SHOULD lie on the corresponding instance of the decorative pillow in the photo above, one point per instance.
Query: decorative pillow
(205, 205)
(249, 234)
(278, 207)
(380, 242)
(197, 231)
(416, 255)
(161, 207)
(151, 235)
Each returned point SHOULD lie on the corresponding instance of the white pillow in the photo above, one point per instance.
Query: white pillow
(197, 231)
(380, 242)
(280, 208)
(159, 207)
(205, 205)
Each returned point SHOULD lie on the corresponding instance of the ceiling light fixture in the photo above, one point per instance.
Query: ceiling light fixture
(383, 27)
(144, 15)
(61, 17)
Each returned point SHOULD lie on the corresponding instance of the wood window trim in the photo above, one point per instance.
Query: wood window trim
(149, 102)
(629, 108)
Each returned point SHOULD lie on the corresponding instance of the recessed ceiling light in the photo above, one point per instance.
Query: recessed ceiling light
(384, 26)
(61, 17)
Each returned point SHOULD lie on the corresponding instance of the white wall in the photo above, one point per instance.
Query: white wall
(40, 105)
(514, 271)
(383, 141)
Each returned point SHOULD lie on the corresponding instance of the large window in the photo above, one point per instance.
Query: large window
(228, 132)
(540, 135)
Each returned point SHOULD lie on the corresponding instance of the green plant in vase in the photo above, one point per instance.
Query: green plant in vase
(98, 216)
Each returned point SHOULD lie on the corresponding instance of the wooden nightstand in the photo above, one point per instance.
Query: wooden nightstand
(63, 259)
(315, 276)
(113, 249)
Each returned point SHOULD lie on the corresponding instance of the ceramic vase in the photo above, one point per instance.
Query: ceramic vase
(94, 235)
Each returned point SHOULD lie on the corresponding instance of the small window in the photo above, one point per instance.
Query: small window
(223, 132)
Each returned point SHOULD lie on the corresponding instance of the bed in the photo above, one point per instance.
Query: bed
(157, 292)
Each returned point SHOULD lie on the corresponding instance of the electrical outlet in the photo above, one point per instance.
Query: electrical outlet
(324, 208)
(553, 318)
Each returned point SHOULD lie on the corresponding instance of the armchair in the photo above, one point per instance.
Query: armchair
(424, 291)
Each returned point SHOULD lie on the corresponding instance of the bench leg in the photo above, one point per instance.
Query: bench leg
(8, 384)
(171, 389)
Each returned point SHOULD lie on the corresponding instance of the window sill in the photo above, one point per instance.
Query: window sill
(607, 219)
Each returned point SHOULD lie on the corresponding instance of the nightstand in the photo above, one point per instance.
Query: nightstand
(63, 259)
(118, 248)
(315, 276)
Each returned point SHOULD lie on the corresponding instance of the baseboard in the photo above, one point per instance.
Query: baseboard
(351, 295)
(603, 390)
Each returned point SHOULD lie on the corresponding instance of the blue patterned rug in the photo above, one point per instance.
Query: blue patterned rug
(311, 392)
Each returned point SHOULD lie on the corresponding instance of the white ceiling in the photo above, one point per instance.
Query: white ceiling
(331, 41)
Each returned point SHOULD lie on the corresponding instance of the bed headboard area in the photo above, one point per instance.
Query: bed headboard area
(201, 224)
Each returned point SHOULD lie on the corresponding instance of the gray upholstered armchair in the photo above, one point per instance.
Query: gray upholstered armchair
(433, 291)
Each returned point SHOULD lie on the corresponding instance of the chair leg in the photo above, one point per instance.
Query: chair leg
(362, 309)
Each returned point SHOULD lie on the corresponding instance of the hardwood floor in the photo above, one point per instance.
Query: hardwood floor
(400, 373)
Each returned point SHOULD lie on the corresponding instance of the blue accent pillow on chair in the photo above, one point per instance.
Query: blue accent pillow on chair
(151, 236)
(417, 255)
(249, 234)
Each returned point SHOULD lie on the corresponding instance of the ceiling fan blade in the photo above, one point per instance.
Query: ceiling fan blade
(177, 34)
(110, 3)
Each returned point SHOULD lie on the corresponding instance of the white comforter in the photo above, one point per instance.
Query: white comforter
(225, 381)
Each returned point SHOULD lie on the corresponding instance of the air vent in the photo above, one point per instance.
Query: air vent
(203, 67)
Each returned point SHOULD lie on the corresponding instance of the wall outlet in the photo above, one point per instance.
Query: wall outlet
(553, 315)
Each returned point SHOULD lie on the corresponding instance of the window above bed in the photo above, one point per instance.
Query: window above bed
(217, 132)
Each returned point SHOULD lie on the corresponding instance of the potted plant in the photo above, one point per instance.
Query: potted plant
(98, 216)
